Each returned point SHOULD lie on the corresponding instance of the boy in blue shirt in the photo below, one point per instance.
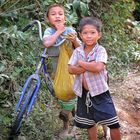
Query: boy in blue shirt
(52, 38)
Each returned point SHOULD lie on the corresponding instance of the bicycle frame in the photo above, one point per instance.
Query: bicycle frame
(32, 86)
(35, 76)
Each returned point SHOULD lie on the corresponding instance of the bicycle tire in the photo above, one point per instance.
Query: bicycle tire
(49, 84)
(18, 121)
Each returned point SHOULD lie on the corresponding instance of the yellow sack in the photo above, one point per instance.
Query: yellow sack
(63, 81)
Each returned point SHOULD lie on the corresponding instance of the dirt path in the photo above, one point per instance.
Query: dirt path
(126, 95)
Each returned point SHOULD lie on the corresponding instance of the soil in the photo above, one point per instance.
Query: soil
(126, 96)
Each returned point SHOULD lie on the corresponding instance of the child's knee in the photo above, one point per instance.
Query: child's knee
(65, 115)
(73, 112)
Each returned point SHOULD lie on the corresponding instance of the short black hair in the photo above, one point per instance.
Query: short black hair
(90, 21)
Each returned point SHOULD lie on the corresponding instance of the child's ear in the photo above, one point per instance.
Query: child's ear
(46, 19)
(100, 35)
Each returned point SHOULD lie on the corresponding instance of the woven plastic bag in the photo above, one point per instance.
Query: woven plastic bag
(63, 81)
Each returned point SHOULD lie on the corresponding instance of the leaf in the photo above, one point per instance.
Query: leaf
(1, 80)
(2, 65)
(72, 19)
(68, 6)
(84, 8)
(2, 68)
(5, 76)
(21, 35)
(6, 120)
(76, 4)
(13, 41)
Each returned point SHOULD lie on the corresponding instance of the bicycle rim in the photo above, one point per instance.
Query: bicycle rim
(49, 85)
(18, 121)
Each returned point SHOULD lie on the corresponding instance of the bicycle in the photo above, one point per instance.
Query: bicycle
(32, 86)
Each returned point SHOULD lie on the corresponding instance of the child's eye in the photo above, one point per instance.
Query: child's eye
(61, 14)
(52, 14)
(84, 33)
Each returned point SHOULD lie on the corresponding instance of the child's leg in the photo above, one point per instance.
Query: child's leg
(115, 134)
(67, 112)
(106, 131)
(65, 117)
(92, 133)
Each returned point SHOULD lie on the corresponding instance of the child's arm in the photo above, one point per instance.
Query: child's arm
(50, 40)
(93, 66)
(75, 69)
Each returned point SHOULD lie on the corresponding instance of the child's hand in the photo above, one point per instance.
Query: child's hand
(60, 27)
(71, 37)
(79, 62)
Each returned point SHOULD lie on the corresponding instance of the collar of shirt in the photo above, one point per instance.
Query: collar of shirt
(82, 52)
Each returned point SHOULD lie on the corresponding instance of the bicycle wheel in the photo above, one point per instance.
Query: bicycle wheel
(18, 121)
(49, 84)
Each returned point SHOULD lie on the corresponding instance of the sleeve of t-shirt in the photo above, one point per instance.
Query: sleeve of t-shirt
(73, 58)
(102, 55)
(70, 30)
(47, 32)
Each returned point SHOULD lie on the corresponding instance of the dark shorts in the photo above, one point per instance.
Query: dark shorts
(100, 110)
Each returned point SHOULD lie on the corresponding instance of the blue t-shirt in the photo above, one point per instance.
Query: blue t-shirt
(54, 50)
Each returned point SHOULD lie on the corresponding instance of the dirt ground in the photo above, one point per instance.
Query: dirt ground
(126, 96)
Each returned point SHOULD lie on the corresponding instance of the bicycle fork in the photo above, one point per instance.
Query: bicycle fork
(33, 77)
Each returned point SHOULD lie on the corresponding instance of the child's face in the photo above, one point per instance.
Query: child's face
(56, 15)
(90, 35)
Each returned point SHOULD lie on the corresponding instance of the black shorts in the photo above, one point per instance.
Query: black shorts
(100, 110)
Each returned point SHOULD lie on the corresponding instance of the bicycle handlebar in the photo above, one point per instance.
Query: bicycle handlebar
(27, 27)
(31, 25)
(40, 30)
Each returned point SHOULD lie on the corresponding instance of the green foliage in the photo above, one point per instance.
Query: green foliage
(117, 38)
(136, 12)
(18, 53)
(17, 61)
